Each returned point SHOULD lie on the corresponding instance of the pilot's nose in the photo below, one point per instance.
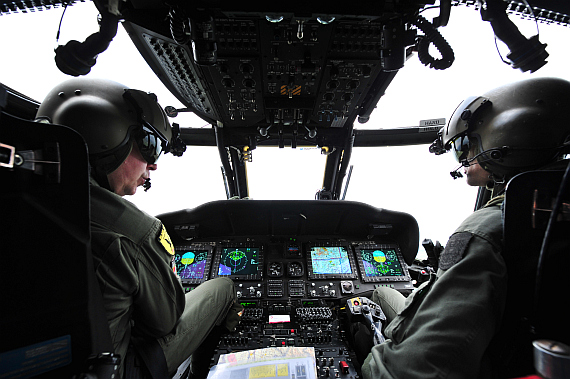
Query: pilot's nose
(152, 167)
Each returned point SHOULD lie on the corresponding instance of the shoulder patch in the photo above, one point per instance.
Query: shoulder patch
(454, 250)
(165, 241)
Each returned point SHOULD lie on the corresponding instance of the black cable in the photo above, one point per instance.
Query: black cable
(526, 54)
(61, 22)
(537, 32)
(179, 26)
(77, 58)
(432, 35)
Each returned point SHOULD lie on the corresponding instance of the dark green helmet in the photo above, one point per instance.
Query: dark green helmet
(517, 127)
(110, 116)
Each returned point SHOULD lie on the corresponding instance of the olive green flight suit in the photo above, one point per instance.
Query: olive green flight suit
(444, 328)
(133, 259)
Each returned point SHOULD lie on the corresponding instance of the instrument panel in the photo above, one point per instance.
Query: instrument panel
(294, 292)
(295, 264)
(293, 269)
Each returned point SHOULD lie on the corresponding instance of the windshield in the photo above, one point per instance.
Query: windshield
(407, 179)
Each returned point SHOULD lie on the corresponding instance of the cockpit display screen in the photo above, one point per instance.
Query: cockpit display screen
(193, 263)
(381, 263)
(330, 262)
(239, 262)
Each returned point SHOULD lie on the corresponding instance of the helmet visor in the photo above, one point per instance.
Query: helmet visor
(153, 133)
(151, 144)
(460, 145)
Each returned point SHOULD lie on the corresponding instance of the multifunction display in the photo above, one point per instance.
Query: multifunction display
(325, 262)
(193, 263)
(381, 263)
(239, 262)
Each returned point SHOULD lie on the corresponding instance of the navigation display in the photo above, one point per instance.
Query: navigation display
(381, 263)
(239, 262)
(330, 262)
(193, 263)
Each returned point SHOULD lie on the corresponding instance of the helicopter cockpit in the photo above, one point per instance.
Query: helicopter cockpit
(296, 74)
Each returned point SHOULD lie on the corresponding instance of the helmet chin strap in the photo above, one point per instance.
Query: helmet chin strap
(490, 185)
(496, 179)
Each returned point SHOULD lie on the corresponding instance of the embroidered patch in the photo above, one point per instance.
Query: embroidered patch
(454, 250)
(165, 241)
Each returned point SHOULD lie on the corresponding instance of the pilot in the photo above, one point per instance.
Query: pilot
(445, 328)
(150, 317)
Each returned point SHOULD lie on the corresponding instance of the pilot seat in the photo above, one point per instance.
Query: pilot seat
(537, 255)
(52, 321)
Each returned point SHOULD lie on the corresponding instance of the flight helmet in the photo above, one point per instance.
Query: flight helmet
(110, 116)
(517, 127)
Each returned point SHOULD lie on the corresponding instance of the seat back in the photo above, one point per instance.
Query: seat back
(52, 317)
(535, 307)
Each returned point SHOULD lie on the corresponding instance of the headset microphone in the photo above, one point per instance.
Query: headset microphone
(146, 184)
(455, 174)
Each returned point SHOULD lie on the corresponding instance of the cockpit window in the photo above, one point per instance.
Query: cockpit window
(285, 174)
(406, 179)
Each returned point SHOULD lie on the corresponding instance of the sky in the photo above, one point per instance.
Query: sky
(407, 179)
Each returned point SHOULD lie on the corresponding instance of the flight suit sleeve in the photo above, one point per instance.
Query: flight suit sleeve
(118, 280)
(446, 328)
(159, 300)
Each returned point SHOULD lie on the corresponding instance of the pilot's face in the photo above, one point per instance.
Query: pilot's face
(131, 174)
(476, 175)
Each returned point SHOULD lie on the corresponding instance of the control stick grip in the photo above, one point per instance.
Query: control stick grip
(371, 313)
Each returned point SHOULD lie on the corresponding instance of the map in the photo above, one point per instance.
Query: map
(273, 362)
(191, 264)
(330, 260)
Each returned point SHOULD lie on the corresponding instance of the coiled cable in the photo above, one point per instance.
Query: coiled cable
(432, 35)
(179, 26)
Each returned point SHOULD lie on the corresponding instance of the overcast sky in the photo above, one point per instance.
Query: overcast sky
(403, 179)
